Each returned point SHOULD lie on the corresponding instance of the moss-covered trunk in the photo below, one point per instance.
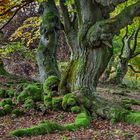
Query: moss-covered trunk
(108, 71)
(121, 71)
(46, 53)
(85, 68)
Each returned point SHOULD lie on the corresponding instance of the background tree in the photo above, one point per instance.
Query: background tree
(128, 52)
(90, 38)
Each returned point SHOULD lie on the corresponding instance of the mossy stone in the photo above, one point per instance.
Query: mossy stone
(17, 112)
(50, 83)
(69, 100)
(3, 94)
(29, 103)
(6, 101)
(31, 91)
(118, 114)
(7, 108)
(133, 117)
(10, 93)
(57, 103)
(48, 102)
(76, 109)
(45, 127)
(22, 97)
(40, 129)
(82, 120)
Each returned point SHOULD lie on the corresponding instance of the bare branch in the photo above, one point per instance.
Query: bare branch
(106, 29)
(136, 54)
(132, 68)
(21, 6)
(110, 2)
(135, 39)
(65, 15)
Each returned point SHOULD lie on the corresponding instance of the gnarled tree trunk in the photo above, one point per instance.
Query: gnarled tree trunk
(121, 71)
(86, 66)
(106, 75)
(128, 52)
(46, 53)
(90, 37)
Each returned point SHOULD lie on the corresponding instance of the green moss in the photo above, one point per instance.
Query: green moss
(69, 100)
(3, 94)
(133, 117)
(75, 66)
(40, 106)
(7, 108)
(118, 114)
(131, 101)
(40, 129)
(6, 101)
(48, 102)
(22, 97)
(82, 120)
(57, 103)
(76, 109)
(10, 93)
(50, 83)
(29, 103)
(17, 112)
(62, 66)
(32, 91)
(2, 112)
(84, 101)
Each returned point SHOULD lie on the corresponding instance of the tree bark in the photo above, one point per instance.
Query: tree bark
(106, 74)
(121, 71)
(86, 66)
(46, 53)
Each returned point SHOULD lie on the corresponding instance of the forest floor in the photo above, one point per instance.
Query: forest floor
(98, 130)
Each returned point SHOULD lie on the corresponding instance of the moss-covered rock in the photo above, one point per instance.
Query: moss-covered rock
(6, 101)
(51, 84)
(3, 94)
(84, 101)
(7, 108)
(118, 114)
(2, 112)
(48, 102)
(10, 93)
(76, 109)
(31, 91)
(45, 127)
(82, 120)
(28, 104)
(17, 112)
(40, 107)
(69, 100)
(133, 117)
(57, 103)
(40, 129)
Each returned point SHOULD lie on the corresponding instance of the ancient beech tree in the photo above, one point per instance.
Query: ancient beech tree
(89, 32)
(128, 52)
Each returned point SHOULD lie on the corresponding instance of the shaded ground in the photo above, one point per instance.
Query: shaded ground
(99, 130)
